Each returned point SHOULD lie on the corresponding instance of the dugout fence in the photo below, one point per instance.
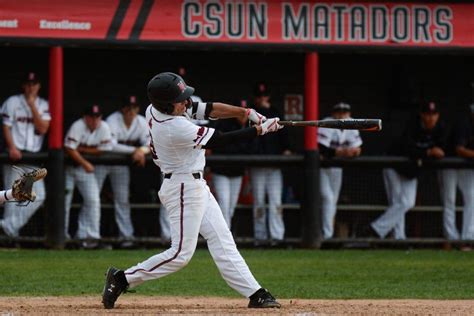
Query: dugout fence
(361, 200)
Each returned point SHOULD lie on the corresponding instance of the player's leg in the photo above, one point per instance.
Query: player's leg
(69, 188)
(235, 185)
(165, 230)
(466, 184)
(186, 203)
(222, 189)
(120, 180)
(275, 209)
(89, 214)
(101, 172)
(328, 204)
(408, 199)
(15, 217)
(223, 250)
(447, 179)
(257, 177)
(395, 212)
(230, 263)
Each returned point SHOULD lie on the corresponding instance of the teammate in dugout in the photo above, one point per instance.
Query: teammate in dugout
(268, 181)
(88, 135)
(25, 122)
(129, 136)
(423, 138)
(462, 145)
(227, 180)
(335, 143)
(177, 147)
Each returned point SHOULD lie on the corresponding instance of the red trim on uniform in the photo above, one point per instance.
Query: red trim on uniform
(204, 136)
(181, 229)
(151, 112)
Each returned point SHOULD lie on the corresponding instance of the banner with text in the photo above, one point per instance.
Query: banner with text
(243, 22)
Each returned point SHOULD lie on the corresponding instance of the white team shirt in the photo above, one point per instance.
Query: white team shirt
(125, 139)
(17, 115)
(334, 138)
(80, 135)
(176, 143)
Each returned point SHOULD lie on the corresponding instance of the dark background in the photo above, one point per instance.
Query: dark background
(382, 85)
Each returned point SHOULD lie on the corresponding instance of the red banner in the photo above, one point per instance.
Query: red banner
(243, 22)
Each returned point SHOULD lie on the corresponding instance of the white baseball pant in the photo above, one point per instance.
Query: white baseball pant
(193, 210)
(227, 193)
(14, 216)
(269, 181)
(120, 182)
(165, 230)
(464, 180)
(401, 195)
(89, 214)
(330, 181)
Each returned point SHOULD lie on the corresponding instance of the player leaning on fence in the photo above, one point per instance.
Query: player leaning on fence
(424, 138)
(25, 122)
(177, 146)
(88, 135)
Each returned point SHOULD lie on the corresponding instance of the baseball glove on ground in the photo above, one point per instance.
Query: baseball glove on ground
(22, 189)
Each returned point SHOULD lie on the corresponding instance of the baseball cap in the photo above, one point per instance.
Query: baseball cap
(130, 100)
(261, 89)
(30, 77)
(429, 107)
(93, 110)
(341, 107)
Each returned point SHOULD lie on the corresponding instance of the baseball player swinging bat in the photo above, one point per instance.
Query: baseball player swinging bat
(372, 125)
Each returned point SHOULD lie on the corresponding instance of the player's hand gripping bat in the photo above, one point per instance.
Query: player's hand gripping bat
(373, 125)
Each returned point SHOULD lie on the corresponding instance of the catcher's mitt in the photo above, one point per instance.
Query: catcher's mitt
(22, 189)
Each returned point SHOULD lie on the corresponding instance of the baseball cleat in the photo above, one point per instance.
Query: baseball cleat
(263, 299)
(115, 284)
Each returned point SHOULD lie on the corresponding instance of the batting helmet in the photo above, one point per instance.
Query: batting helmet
(167, 88)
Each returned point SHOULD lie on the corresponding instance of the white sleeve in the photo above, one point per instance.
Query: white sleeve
(197, 111)
(8, 112)
(190, 135)
(354, 139)
(105, 143)
(73, 137)
(325, 136)
(45, 115)
(144, 133)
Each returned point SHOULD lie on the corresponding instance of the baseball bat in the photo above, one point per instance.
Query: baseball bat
(373, 125)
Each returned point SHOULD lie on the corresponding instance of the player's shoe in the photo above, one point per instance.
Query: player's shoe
(115, 284)
(263, 299)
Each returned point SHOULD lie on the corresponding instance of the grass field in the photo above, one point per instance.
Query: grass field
(422, 274)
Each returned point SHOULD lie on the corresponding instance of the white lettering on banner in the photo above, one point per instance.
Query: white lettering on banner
(359, 23)
(9, 24)
(65, 25)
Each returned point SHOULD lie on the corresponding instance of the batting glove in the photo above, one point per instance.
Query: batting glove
(255, 117)
(270, 126)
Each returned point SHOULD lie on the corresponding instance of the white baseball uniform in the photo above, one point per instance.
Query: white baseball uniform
(451, 179)
(125, 140)
(164, 220)
(17, 115)
(89, 215)
(176, 147)
(330, 180)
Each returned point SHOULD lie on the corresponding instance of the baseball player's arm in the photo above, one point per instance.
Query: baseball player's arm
(217, 110)
(13, 152)
(245, 134)
(6, 196)
(41, 126)
(77, 157)
(464, 152)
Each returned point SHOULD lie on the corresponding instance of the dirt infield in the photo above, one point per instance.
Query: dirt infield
(140, 305)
